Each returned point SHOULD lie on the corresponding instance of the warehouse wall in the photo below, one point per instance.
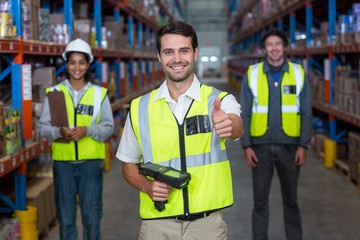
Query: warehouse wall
(208, 19)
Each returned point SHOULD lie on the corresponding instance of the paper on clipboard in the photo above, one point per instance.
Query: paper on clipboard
(58, 113)
(57, 105)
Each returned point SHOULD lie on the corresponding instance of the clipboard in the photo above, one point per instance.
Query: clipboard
(58, 113)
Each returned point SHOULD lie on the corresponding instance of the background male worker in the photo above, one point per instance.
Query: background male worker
(277, 114)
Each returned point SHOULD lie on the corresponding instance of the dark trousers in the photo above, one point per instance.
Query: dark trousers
(282, 158)
(86, 181)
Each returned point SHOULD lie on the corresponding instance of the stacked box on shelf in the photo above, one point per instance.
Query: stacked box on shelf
(7, 30)
(44, 25)
(152, 45)
(82, 29)
(269, 8)
(356, 21)
(42, 78)
(59, 30)
(81, 10)
(354, 155)
(151, 10)
(27, 33)
(104, 37)
(347, 90)
(32, 7)
(316, 86)
(12, 130)
(345, 26)
(114, 31)
(40, 194)
(324, 33)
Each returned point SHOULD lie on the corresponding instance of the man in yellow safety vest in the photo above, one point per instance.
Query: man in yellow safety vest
(183, 124)
(275, 97)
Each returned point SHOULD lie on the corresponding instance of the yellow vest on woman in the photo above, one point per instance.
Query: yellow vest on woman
(193, 147)
(86, 113)
(291, 86)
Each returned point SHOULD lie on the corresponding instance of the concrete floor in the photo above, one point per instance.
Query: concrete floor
(329, 202)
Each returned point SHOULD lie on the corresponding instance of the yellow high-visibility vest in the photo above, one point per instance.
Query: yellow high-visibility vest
(193, 143)
(291, 86)
(86, 113)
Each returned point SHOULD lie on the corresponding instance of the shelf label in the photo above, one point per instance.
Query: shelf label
(21, 158)
(143, 67)
(14, 161)
(134, 70)
(327, 69)
(11, 46)
(31, 48)
(104, 72)
(122, 69)
(26, 76)
(2, 168)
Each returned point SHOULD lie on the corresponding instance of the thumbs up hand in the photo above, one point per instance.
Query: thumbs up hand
(221, 121)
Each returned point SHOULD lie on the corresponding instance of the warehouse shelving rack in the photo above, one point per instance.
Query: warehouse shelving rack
(122, 60)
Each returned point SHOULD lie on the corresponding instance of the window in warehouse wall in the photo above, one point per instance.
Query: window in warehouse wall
(209, 62)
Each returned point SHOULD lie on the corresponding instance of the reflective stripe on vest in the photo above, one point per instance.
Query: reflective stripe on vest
(87, 113)
(290, 99)
(206, 159)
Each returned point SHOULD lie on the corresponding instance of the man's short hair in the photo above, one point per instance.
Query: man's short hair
(275, 32)
(177, 27)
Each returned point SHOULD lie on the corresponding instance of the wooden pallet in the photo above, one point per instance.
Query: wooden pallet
(342, 167)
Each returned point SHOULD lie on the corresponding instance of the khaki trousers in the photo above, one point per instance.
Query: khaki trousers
(212, 227)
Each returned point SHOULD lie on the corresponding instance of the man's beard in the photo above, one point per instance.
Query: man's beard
(178, 78)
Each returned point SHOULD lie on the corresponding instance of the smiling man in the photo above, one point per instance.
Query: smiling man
(277, 113)
(184, 125)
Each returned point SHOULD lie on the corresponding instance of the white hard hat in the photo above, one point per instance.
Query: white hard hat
(78, 45)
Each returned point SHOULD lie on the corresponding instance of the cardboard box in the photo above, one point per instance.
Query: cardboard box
(81, 10)
(56, 18)
(350, 84)
(40, 194)
(44, 76)
(82, 29)
(36, 198)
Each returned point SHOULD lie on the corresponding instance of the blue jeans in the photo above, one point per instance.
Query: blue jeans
(84, 180)
(281, 157)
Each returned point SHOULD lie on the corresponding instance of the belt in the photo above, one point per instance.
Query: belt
(194, 217)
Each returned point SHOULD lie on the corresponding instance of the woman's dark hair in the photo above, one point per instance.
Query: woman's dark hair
(177, 27)
(275, 32)
(87, 74)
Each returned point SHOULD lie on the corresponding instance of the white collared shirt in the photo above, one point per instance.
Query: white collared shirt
(129, 150)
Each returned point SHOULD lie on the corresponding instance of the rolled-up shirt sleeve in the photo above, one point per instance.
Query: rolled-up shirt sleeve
(129, 149)
(229, 104)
